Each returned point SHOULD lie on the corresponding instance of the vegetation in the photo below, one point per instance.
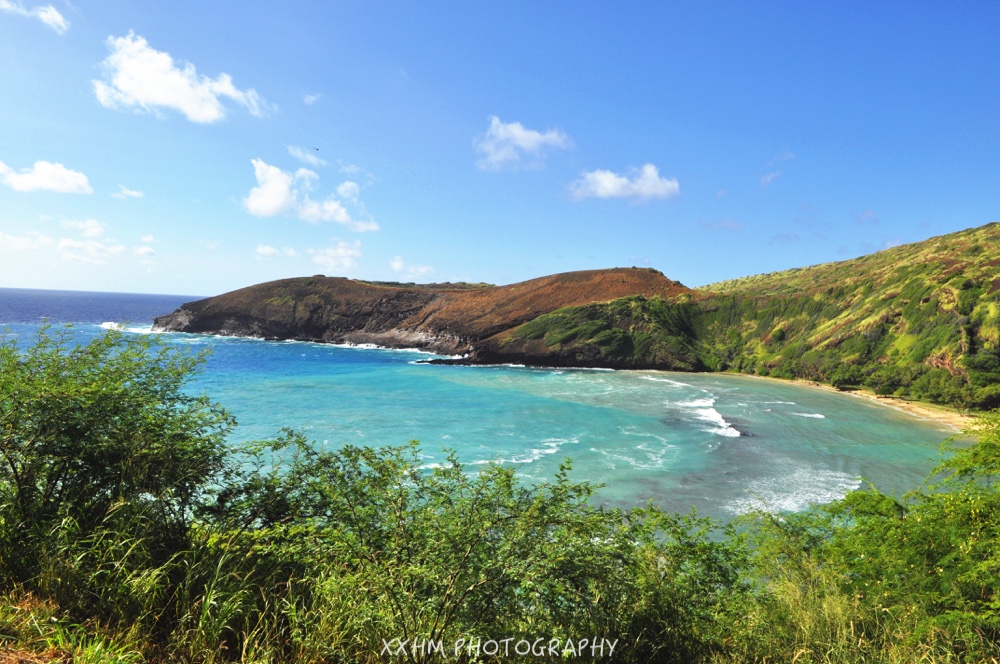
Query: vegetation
(919, 321)
(131, 532)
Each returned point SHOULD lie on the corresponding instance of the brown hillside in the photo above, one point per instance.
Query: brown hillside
(445, 317)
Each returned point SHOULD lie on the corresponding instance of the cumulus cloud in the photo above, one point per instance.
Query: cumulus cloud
(144, 251)
(505, 144)
(639, 183)
(768, 178)
(414, 271)
(45, 176)
(89, 228)
(281, 193)
(47, 14)
(339, 257)
(139, 77)
(125, 192)
(306, 156)
(267, 251)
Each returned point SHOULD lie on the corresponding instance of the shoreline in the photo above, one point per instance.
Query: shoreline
(924, 411)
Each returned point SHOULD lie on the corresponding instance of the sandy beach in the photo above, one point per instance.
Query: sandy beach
(927, 411)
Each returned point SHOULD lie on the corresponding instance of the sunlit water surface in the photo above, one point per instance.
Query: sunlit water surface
(725, 444)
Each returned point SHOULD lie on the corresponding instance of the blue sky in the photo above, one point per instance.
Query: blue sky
(198, 147)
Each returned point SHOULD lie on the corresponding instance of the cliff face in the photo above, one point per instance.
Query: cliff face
(444, 318)
(920, 320)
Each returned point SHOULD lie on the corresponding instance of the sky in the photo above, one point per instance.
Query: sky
(198, 147)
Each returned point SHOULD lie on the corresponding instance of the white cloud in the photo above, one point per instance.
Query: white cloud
(48, 14)
(140, 77)
(147, 239)
(279, 193)
(306, 156)
(144, 251)
(266, 251)
(88, 251)
(504, 144)
(125, 192)
(768, 178)
(274, 193)
(309, 100)
(339, 257)
(349, 191)
(88, 228)
(45, 176)
(639, 183)
(30, 241)
(399, 265)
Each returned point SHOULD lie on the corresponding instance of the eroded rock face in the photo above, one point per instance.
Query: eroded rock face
(443, 318)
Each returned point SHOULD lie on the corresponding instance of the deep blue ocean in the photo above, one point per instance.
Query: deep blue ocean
(724, 444)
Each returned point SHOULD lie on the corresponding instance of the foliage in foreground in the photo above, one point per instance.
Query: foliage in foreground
(131, 531)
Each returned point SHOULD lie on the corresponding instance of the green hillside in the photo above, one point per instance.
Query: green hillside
(919, 321)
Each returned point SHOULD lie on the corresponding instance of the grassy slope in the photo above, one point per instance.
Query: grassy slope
(920, 320)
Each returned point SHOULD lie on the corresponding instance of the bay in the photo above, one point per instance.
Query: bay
(724, 444)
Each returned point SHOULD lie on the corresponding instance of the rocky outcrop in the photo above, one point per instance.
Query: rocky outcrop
(452, 319)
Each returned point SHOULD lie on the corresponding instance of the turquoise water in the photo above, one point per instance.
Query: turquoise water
(725, 444)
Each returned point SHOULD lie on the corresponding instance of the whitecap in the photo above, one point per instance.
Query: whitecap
(816, 416)
(704, 410)
(794, 491)
(676, 383)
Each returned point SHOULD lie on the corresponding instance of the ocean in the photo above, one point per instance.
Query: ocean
(720, 443)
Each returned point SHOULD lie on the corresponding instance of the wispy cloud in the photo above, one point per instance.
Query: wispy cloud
(125, 192)
(45, 176)
(339, 257)
(47, 14)
(311, 99)
(790, 236)
(281, 193)
(507, 144)
(306, 156)
(30, 241)
(89, 246)
(267, 251)
(866, 218)
(138, 77)
(413, 271)
(89, 228)
(768, 178)
(724, 225)
(638, 183)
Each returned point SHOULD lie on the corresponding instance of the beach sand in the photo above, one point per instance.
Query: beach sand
(926, 411)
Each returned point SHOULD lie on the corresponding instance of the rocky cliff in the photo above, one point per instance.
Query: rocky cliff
(444, 318)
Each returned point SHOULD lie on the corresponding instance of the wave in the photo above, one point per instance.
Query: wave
(816, 416)
(676, 383)
(704, 410)
(140, 329)
(794, 491)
